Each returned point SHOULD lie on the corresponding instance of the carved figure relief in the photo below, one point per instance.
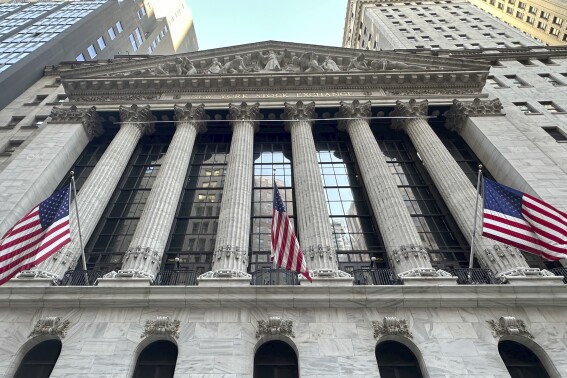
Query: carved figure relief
(274, 326)
(215, 67)
(50, 325)
(272, 60)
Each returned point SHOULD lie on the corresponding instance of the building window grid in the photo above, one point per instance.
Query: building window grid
(110, 241)
(193, 233)
(551, 79)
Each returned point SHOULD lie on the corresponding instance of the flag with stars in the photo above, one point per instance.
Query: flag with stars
(38, 235)
(286, 252)
(523, 221)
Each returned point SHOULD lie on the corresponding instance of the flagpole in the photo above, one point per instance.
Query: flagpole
(79, 226)
(274, 259)
(478, 181)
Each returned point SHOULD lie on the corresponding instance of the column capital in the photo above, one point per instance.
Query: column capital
(356, 109)
(412, 108)
(190, 113)
(90, 119)
(244, 112)
(298, 112)
(141, 117)
(461, 110)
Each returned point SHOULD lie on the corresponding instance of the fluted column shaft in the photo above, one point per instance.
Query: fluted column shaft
(401, 239)
(146, 249)
(312, 216)
(231, 248)
(455, 188)
(99, 187)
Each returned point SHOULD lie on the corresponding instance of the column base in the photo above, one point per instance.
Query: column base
(529, 276)
(123, 282)
(34, 278)
(327, 277)
(225, 277)
(427, 277)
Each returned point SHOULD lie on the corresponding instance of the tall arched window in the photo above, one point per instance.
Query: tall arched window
(40, 360)
(157, 360)
(520, 361)
(275, 359)
(395, 360)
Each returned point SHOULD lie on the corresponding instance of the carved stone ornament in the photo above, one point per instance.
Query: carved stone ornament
(142, 117)
(90, 119)
(274, 326)
(229, 251)
(461, 110)
(424, 272)
(509, 326)
(356, 109)
(50, 325)
(412, 108)
(162, 325)
(299, 110)
(391, 326)
(404, 252)
(430, 91)
(117, 96)
(245, 112)
(190, 113)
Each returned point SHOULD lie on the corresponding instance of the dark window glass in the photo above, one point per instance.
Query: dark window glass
(193, 235)
(275, 359)
(111, 238)
(355, 235)
(40, 360)
(520, 361)
(395, 360)
(157, 360)
(272, 150)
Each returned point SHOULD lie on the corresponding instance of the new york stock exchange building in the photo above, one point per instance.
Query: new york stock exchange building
(376, 156)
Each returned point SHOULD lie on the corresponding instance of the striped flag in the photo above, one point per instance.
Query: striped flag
(523, 221)
(38, 235)
(286, 252)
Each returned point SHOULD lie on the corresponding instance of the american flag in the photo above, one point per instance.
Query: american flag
(286, 252)
(523, 221)
(38, 235)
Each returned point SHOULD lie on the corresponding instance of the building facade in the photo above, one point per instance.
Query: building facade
(376, 155)
(543, 20)
(35, 34)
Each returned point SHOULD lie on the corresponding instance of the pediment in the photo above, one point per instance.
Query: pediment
(272, 64)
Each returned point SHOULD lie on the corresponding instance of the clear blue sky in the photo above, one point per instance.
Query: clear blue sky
(221, 23)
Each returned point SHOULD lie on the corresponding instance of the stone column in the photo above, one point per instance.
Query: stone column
(230, 259)
(146, 249)
(406, 253)
(99, 187)
(459, 194)
(313, 223)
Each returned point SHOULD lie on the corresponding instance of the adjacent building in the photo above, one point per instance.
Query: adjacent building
(36, 34)
(376, 154)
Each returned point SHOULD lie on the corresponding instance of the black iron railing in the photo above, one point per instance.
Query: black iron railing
(274, 277)
(81, 277)
(475, 276)
(382, 276)
(178, 277)
(560, 272)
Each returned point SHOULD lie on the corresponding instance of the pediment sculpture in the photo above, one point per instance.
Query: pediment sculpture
(272, 61)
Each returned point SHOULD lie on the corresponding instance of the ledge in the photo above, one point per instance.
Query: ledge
(285, 296)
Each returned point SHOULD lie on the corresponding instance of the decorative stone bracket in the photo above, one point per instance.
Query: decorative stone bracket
(162, 325)
(460, 111)
(391, 326)
(90, 119)
(50, 325)
(274, 326)
(509, 326)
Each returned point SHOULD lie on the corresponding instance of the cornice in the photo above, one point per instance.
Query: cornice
(289, 297)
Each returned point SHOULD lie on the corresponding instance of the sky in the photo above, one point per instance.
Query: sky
(221, 23)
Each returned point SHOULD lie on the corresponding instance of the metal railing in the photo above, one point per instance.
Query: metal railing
(269, 276)
(81, 277)
(382, 276)
(560, 272)
(475, 276)
(178, 277)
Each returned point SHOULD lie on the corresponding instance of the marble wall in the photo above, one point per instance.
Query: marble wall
(331, 342)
